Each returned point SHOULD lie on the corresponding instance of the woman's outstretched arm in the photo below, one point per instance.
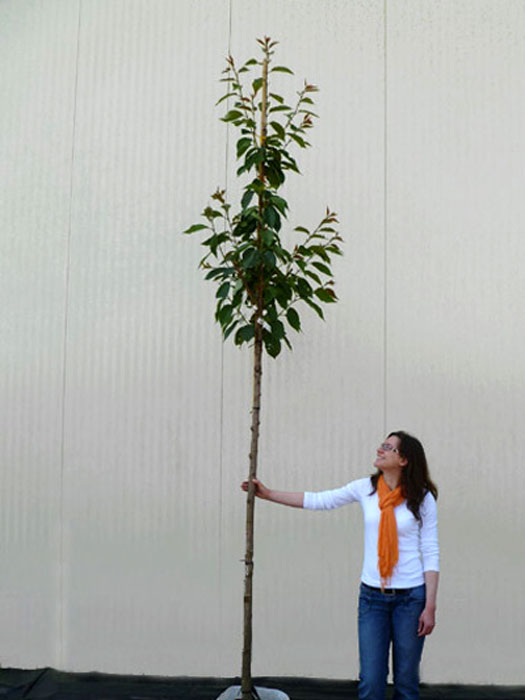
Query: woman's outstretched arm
(287, 498)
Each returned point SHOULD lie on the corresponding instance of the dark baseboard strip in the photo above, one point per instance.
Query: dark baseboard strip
(50, 684)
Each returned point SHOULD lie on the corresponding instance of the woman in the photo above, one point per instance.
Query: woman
(397, 597)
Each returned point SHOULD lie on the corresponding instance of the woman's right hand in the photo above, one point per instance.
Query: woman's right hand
(260, 489)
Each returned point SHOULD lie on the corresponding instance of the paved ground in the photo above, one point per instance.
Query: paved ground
(16, 684)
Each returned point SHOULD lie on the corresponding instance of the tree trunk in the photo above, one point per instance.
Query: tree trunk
(246, 678)
(246, 682)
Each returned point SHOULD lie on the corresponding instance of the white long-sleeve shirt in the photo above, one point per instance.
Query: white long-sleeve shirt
(417, 541)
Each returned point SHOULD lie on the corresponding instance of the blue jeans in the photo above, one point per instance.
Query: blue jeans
(385, 618)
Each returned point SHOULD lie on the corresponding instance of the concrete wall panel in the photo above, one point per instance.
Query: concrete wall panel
(455, 370)
(143, 371)
(38, 46)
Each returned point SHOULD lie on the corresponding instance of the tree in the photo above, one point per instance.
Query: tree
(260, 280)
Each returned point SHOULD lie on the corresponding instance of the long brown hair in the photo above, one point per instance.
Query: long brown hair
(415, 478)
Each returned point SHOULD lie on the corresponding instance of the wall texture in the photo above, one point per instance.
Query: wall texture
(125, 420)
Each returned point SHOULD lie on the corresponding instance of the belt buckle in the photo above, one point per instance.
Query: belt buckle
(390, 593)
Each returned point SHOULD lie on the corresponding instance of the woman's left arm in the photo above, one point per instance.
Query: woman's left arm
(430, 552)
(427, 619)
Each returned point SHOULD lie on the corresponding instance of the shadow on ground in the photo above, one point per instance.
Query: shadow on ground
(49, 683)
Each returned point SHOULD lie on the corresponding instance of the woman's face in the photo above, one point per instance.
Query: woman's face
(388, 456)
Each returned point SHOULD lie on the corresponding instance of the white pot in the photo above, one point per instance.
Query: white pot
(234, 693)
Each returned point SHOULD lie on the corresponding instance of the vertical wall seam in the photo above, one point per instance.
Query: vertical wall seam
(64, 362)
(221, 419)
(385, 223)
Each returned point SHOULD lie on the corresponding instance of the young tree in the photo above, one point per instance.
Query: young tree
(261, 282)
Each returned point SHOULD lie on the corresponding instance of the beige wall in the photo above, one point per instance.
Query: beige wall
(125, 420)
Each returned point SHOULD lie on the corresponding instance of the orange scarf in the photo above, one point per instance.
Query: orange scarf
(387, 549)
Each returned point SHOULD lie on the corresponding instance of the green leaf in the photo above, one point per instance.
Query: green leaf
(293, 319)
(224, 315)
(195, 227)
(323, 268)
(277, 98)
(237, 298)
(218, 271)
(281, 69)
(232, 116)
(254, 156)
(225, 97)
(247, 223)
(203, 264)
(274, 174)
(245, 334)
(257, 186)
(284, 255)
(304, 288)
(271, 313)
(272, 218)
(223, 290)
(334, 249)
(269, 295)
(313, 276)
(211, 213)
(290, 164)
(280, 108)
(316, 308)
(302, 229)
(326, 295)
(242, 146)
(227, 331)
(267, 236)
(321, 252)
(269, 258)
(283, 295)
(273, 140)
(279, 130)
(278, 330)
(246, 198)
(271, 344)
(280, 203)
(299, 140)
(250, 258)
(257, 84)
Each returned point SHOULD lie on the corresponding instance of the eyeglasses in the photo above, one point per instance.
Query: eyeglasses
(387, 447)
